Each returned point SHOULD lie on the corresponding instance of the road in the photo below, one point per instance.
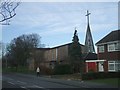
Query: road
(31, 82)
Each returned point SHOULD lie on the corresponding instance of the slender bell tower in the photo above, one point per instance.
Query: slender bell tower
(88, 40)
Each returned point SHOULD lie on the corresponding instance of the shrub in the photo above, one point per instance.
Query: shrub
(62, 69)
(46, 70)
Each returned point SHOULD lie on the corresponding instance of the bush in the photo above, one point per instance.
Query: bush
(100, 75)
(46, 70)
(61, 69)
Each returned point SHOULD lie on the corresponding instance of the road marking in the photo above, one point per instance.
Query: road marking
(24, 87)
(11, 83)
(21, 82)
(37, 86)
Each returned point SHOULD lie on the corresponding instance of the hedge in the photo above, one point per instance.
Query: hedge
(61, 69)
(100, 75)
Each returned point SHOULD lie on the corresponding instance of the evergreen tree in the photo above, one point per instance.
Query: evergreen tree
(76, 54)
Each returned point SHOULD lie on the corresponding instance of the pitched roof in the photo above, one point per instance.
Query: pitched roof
(89, 41)
(90, 56)
(64, 45)
(112, 36)
(56, 46)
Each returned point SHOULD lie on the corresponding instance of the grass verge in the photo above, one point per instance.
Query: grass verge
(18, 70)
(109, 81)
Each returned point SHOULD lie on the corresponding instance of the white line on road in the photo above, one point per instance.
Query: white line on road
(24, 87)
(11, 83)
(37, 86)
(21, 82)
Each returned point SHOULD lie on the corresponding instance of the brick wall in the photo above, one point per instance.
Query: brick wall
(115, 55)
(109, 55)
(62, 53)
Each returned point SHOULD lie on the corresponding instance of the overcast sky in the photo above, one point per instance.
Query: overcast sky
(55, 21)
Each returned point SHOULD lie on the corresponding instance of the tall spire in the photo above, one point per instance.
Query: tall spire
(88, 40)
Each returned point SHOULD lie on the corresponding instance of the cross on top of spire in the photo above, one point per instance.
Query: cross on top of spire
(88, 16)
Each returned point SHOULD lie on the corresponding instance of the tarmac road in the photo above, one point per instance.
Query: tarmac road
(31, 82)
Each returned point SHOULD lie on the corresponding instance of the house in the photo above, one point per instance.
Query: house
(108, 49)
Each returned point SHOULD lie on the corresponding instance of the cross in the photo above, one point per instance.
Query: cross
(88, 15)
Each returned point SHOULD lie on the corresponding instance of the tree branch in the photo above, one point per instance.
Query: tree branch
(7, 10)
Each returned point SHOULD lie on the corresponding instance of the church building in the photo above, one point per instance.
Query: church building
(106, 59)
(90, 57)
(60, 54)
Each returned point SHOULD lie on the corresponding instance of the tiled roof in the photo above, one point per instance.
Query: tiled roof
(90, 56)
(112, 36)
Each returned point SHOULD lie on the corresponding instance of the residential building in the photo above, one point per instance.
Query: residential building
(108, 49)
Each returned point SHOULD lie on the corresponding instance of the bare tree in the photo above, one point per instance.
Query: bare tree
(38, 55)
(7, 10)
(21, 47)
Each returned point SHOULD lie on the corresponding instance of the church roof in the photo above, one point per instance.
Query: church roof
(90, 56)
(64, 45)
(112, 36)
(89, 40)
(57, 46)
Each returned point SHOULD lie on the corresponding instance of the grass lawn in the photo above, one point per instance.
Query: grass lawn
(18, 70)
(110, 81)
